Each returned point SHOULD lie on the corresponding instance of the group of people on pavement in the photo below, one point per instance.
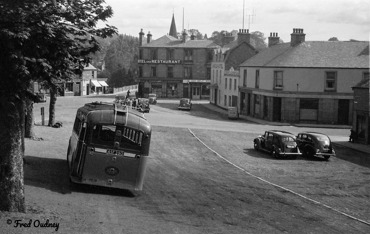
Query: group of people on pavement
(132, 102)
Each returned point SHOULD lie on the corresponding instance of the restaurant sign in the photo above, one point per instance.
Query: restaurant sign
(159, 61)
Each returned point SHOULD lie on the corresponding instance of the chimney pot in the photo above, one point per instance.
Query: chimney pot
(297, 36)
(273, 39)
(149, 37)
(141, 35)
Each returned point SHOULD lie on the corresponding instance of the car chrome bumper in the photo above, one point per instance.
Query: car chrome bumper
(183, 108)
(325, 154)
(290, 153)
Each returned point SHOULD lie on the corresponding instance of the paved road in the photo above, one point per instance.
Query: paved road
(203, 177)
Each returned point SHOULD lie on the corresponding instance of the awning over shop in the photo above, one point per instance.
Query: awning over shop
(196, 81)
(95, 83)
(103, 83)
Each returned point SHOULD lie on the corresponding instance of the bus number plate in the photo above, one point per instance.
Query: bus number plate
(115, 152)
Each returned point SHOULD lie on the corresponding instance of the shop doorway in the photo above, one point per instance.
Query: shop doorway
(196, 92)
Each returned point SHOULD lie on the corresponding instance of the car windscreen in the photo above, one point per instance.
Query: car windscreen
(184, 101)
(323, 139)
(152, 95)
(287, 139)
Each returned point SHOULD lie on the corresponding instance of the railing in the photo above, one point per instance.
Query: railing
(132, 88)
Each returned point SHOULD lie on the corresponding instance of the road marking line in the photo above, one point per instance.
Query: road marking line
(278, 186)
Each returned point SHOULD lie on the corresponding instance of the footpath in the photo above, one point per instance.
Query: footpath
(355, 146)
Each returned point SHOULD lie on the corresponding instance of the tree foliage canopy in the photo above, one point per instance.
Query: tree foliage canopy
(49, 40)
(43, 40)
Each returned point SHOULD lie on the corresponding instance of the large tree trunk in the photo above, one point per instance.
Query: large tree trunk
(53, 100)
(11, 153)
(29, 123)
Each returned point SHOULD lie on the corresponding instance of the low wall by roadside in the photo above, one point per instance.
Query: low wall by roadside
(132, 88)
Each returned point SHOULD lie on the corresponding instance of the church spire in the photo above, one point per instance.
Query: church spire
(173, 31)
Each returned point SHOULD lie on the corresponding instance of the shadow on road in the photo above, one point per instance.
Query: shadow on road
(52, 174)
(261, 154)
(353, 156)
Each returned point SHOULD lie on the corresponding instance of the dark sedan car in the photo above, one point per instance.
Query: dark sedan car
(185, 104)
(152, 98)
(278, 143)
(315, 144)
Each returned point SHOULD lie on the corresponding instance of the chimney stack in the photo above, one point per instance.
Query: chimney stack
(244, 36)
(297, 37)
(227, 38)
(273, 39)
(184, 34)
(141, 36)
(149, 37)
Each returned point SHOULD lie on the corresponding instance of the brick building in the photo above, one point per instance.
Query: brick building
(361, 114)
(303, 81)
(173, 67)
(225, 68)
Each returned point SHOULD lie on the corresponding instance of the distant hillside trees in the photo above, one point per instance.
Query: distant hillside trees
(120, 60)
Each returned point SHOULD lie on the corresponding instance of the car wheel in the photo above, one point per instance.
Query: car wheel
(68, 153)
(274, 153)
(306, 152)
(310, 154)
(326, 157)
(255, 145)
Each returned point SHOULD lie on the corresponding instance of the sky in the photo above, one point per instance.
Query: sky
(320, 19)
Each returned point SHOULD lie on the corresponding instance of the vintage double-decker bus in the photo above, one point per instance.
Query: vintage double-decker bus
(109, 146)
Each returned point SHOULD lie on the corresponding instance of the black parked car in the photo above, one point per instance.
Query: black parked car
(185, 104)
(315, 144)
(278, 143)
(152, 98)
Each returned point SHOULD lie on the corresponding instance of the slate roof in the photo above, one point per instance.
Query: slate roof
(168, 41)
(313, 54)
(363, 84)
